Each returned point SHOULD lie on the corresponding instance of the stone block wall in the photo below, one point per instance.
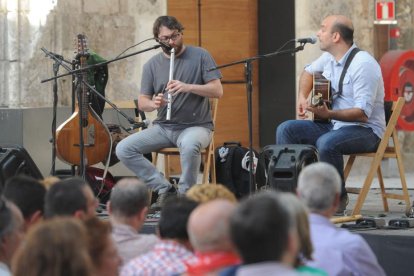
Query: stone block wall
(111, 26)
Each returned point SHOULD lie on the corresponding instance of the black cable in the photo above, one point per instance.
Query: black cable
(145, 40)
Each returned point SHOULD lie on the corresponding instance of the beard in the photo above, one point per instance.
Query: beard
(177, 48)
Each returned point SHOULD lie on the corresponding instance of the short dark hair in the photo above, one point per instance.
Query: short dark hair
(65, 197)
(128, 197)
(260, 227)
(167, 21)
(346, 32)
(174, 218)
(27, 193)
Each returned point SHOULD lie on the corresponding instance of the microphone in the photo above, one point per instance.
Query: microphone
(164, 45)
(311, 40)
(144, 123)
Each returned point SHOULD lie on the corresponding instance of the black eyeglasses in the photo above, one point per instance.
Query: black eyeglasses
(173, 37)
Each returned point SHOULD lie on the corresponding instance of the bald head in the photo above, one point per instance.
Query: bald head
(208, 226)
(343, 25)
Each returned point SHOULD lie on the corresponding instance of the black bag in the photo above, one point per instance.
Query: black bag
(15, 160)
(232, 167)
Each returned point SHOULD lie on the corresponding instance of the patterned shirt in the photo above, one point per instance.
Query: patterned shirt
(167, 258)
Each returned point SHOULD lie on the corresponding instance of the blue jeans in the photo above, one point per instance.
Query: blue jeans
(331, 144)
(190, 141)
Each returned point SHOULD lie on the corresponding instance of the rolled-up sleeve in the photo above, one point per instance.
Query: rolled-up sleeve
(365, 83)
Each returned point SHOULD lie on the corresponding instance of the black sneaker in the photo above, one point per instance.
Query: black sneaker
(342, 205)
(157, 205)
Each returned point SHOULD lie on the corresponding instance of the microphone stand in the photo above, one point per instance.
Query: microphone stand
(78, 75)
(248, 73)
(58, 61)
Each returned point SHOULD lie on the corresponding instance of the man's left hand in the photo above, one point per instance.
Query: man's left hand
(321, 111)
(174, 87)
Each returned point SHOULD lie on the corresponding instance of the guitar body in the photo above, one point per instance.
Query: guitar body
(95, 135)
(321, 93)
(96, 138)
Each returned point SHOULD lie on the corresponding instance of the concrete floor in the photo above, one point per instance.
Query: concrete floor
(373, 205)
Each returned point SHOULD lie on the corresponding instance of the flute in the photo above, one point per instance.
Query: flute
(169, 99)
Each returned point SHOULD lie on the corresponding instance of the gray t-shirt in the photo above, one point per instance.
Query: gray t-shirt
(187, 109)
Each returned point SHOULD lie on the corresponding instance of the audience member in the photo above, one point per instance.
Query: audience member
(29, 195)
(54, 247)
(128, 207)
(265, 236)
(70, 197)
(299, 211)
(102, 249)
(48, 181)
(336, 250)
(171, 254)
(209, 232)
(11, 234)
(206, 192)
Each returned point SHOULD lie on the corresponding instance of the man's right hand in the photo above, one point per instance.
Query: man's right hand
(301, 108)
(159, 101)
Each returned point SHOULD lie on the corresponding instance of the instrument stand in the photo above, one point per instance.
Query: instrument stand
(248, 72)
(77, 75)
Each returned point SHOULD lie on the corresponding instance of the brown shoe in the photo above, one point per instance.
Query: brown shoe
(342, 205)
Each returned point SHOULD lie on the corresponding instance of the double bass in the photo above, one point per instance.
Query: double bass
(95, 134)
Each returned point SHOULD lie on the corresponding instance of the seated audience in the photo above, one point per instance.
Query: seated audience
(102, 249)
(265, 236)
(48, 181)
(299, 211)
(11, 234)
(336, 250)
(128, 207)
(54, 247)
(209, 232)
(29, 195)
(70, 197)
(171, 254)
(206, 192)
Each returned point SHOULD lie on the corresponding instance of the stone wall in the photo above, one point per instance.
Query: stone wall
(111, 26)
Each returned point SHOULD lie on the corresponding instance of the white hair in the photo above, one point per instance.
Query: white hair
(318, 184)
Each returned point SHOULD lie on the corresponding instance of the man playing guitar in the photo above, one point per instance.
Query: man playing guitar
(356, 121)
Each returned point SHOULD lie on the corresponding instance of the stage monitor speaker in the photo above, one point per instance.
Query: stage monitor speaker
(15, 160)
(285, 163)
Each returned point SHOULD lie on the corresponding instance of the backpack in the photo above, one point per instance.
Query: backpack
(232, 167)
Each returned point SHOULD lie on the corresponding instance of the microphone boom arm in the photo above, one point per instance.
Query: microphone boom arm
(100, 64)
(277, 53)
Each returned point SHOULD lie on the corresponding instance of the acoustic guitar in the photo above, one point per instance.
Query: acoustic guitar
(321, 93)
(96, 136)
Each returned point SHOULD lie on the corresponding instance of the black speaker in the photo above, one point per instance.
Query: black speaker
(285, 163)
(15, 160)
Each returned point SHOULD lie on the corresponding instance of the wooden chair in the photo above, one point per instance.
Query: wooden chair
(385, 150)
(207, 153)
